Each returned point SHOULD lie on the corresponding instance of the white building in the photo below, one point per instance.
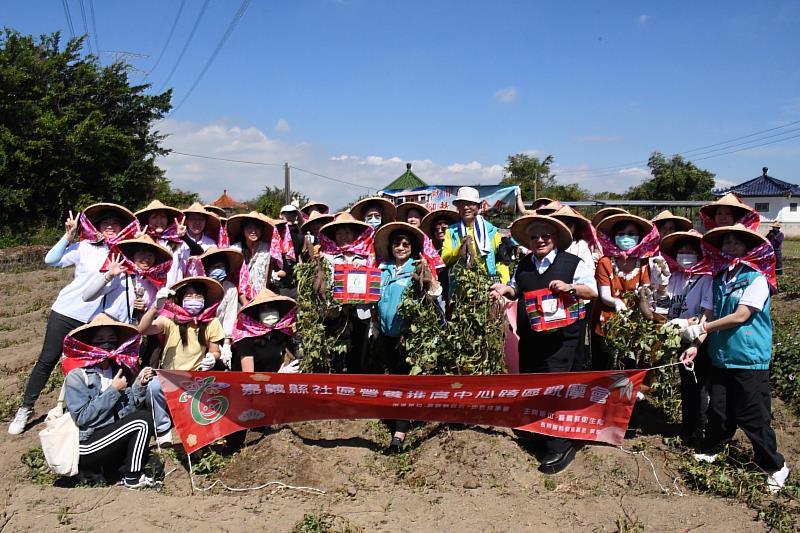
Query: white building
(775, 200)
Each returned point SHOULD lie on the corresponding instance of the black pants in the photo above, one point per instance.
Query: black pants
(128, 438)
(57, 328)
(694, 395)
(741, 398)
(388, 350)
(359, 347)
(601, 359)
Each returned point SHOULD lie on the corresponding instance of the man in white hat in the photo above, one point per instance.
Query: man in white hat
(477, 234)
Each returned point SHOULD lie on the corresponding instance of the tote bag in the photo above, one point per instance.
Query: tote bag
(59, 438)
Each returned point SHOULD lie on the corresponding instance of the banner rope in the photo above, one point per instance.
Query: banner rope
(676, 492)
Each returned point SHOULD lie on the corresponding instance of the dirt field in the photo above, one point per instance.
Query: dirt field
(453, 479)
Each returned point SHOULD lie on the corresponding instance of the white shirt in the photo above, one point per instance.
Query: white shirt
(119, 304)
(106, 377)
(228, 308)
(257, 266)
(689, 295)
(582, 275)
(88, 259)
(582, 250)
(754, 295)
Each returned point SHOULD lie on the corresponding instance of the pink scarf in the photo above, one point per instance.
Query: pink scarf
(363, 246)
(181, 316)
(750, 221)
(276, 248)
(761, 259)
(287, 246)
(79, 355)
(170, 233)
(156, 274)
(246, 326)
(91, 234)
(703, 266)
(647, 247)
(430, 255)
(223, 240)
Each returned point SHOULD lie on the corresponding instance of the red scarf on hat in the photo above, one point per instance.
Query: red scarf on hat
(91, 234)
(223, 240)
(246, 326)
(156, 274)
(80, 355)
(761, 259)
(276, 248)
(750, 221)
(170, 233)
(181, 316)
(363, 245)
(647, 247)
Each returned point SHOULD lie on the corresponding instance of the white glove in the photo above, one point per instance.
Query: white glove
(274, 277)
(227, 355)
(682, 323)
(619, 305)
(691, 333)
(208, 362)
(293, 367)
(661, 272)
(162, 294)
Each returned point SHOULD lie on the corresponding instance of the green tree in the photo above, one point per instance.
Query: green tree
(536, 180)
(72, 132)
(271, 200)
(673, 179)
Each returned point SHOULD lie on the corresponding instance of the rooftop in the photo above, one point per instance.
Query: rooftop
(407, 180)
(763, 185)
(226, 202)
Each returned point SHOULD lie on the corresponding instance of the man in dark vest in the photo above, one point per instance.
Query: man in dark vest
(550, 330)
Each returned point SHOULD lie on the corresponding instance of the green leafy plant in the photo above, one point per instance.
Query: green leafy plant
(785, 368)
(324, 522)
(38, 470)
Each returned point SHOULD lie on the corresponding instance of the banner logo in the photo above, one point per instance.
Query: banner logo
(207, 406)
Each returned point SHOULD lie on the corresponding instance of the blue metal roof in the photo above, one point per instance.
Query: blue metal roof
(763, 185)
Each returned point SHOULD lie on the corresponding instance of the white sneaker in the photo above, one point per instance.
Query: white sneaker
(165, 439)
(143, 482)
(776, 480)
(705, 457)
(17, 426)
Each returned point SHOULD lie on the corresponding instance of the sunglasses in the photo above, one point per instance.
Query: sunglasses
(401, 244)
(544, 236)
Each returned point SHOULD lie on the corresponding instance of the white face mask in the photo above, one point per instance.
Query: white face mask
(686, 260)
(269, 317)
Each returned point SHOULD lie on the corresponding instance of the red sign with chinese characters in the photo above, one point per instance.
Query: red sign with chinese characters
(594, 406)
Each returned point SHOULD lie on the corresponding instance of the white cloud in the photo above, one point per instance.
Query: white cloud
(282, 126)
(507, 95)
(461, 167)
(720, 183)
(644, 19)
(635, 171)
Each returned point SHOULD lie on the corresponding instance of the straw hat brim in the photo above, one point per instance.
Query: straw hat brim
(95, 210)
(172, 212)
(710, 209)
(233, 258)
(520, 226)
(670, 242)
(605, 226)
(606, 212)
(84, 333)
(212, 220)
(128, 248)
(541, 202)
(388, 210)
(266, 296)
(330, 228)
(405, 207)
(752, 238)
(683, 223)
(216, 210)
(214, 290)
(448, 214)
(311, 204)
(236, 223)
(319, 219)
(384, 232)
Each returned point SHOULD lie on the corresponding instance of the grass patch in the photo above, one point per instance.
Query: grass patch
(324, 522)
(38, 471)
(791, 248)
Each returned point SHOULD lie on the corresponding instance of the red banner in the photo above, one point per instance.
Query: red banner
(594, 406)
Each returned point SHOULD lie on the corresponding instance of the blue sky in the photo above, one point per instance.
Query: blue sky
(356, 88)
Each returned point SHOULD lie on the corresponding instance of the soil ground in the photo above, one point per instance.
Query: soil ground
(454, 478)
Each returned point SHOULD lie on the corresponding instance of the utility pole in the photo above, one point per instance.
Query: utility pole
(287, 185)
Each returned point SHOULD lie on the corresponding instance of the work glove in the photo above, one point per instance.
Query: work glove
(208, 362)
(292, 367)
(619, 305)
(661, 272)
(691, 333)
(682, 323)
(162, 295)
(226, 355)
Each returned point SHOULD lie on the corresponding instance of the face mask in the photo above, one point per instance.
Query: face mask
(686, 260)
(108, 346)
(626, 242)
(218, 274)
(193, 306)
(373, 221)
(269, 317)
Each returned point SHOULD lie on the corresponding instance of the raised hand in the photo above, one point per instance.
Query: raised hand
(70, 227)
(141, 233)
(116, 264)
(181, 226)
(120, 381)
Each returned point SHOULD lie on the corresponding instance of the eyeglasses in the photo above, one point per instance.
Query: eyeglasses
(544, 236)
(401, 244)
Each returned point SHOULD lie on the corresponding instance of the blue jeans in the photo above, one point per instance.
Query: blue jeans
(158, 403)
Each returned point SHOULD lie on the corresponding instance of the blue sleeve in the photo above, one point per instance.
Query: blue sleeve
(85, 410)
(55, 257)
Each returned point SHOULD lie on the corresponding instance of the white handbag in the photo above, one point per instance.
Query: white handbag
(60, 439)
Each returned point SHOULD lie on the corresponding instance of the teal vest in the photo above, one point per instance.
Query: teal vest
(455, 235)
(749, 345)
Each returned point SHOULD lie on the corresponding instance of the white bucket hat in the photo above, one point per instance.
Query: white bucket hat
(468, 194)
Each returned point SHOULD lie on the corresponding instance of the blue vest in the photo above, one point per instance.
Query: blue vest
(749, 345)
(394, 282)
(491, 231)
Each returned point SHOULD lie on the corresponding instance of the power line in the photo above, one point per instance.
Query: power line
(94, 26)
(331, 178)
(169, 38)
(68, 15)
(232, 26)
(186, 46)
(86, 27)
(751, 147)
(686, 152)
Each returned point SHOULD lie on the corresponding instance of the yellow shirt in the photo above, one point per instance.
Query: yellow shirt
(180, 357)
(451, 253)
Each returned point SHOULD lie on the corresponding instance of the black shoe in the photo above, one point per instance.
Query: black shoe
(396, 446)
(553, 463)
